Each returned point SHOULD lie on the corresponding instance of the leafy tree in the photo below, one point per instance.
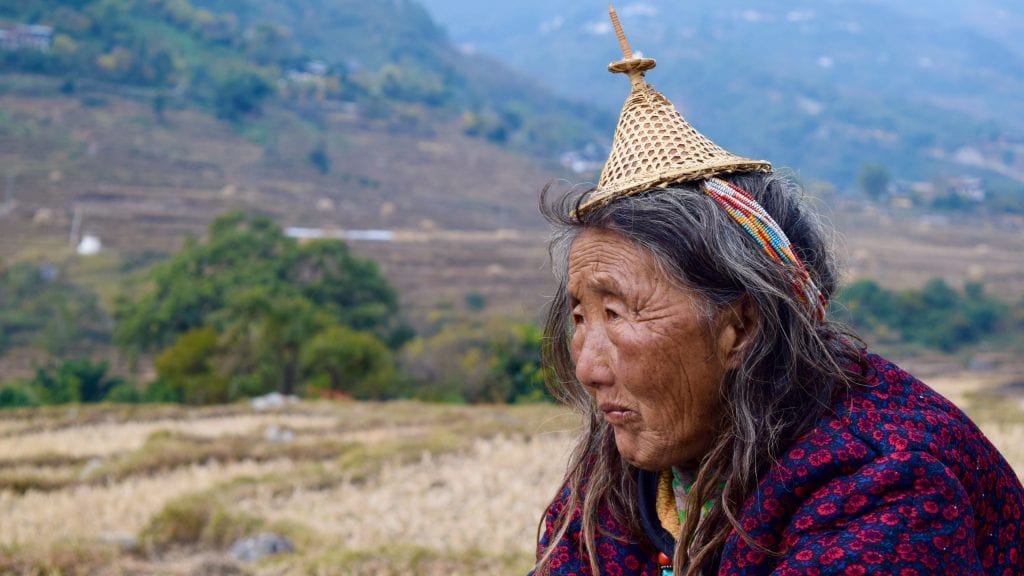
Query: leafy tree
(235, 315)
(245, 252)
(262, 335)
(186, 371)
(411, 84)
(867, 305)
(476, 301)
(319, 159)
(352, 288)
(240, 93)
(874, 180)
(517, 364)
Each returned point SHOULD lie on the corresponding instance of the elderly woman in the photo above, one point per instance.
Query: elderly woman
(730, 426)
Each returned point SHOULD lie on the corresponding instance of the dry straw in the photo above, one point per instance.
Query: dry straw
(654, 146)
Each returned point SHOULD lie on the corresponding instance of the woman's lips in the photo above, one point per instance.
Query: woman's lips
(617, 414)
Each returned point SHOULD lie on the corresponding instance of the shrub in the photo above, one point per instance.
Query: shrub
(495, 360)
(18, 395)
(936, 316)
(76, 380)
(196, 521)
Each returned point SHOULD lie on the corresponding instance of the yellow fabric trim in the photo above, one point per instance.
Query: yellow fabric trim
(665, 503)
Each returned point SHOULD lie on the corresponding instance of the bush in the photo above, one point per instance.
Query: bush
(344, 360)
(196, 520)
(937, 315)
(186, 370)
(76, 380)
(495, 360)
(18, 395)
(124, 393)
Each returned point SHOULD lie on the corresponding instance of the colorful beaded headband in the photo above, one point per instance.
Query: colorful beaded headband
(753, 218)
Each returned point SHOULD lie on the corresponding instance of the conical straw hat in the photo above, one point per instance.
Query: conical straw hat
(654, 146)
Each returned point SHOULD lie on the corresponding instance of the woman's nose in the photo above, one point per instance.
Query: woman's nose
(593, 360)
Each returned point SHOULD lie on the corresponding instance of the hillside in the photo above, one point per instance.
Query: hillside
(823, 87)
(361, 116)
(145, 118)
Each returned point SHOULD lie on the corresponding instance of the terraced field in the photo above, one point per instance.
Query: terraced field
(357, 488)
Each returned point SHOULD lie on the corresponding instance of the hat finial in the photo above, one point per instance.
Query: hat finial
(629, 65)
(627, 52)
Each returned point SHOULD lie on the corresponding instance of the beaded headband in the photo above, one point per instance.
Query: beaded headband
(753, 218)
(655, 147)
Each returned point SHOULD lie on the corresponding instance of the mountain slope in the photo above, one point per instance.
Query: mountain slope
(354, 113)
(147, 118)
(824, 87)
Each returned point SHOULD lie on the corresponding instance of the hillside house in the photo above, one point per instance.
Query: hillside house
(967, 188)
(26, 37)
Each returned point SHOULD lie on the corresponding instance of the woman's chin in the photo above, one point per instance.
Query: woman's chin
(631, 453)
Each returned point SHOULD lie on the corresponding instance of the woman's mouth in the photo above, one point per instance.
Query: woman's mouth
(616, 413)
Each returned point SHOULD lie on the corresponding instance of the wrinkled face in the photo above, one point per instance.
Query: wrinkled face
(644, 352)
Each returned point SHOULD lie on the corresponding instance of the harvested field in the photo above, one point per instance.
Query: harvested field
(358, 488)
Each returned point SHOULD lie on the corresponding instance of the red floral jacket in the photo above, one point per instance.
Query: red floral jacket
(896, 480)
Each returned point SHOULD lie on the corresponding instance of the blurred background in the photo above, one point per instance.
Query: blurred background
(209, 208)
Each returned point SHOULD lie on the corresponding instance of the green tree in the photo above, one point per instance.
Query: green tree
(262, 336)
(241, 251)
(356, 363)
(240, 93)
(874, 180)
(353, 289)
(936, 315)
(244, 252)
(234, 315)
(319, 159)
(186, 370)
(517, 364)
(866, 305)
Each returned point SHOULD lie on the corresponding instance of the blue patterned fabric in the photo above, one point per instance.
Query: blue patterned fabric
(897, 480)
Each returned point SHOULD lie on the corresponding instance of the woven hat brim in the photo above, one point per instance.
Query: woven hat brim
(647, 181)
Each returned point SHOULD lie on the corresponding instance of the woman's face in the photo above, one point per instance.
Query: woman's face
(644, 351)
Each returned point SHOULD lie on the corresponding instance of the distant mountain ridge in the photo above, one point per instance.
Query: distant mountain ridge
(823, 87)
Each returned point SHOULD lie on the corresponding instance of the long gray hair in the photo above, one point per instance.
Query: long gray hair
(791, 367)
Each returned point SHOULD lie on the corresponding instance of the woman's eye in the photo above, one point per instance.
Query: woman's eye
(577, 316)
(611, 314)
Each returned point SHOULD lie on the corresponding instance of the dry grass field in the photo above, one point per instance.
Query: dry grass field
(358, 488)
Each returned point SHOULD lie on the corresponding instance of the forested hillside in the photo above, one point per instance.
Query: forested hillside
(927, 89)
(232, 55)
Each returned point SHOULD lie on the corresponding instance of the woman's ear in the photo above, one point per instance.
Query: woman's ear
(738, 323)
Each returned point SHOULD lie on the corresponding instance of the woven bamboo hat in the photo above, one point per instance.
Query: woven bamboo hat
(654, 146)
